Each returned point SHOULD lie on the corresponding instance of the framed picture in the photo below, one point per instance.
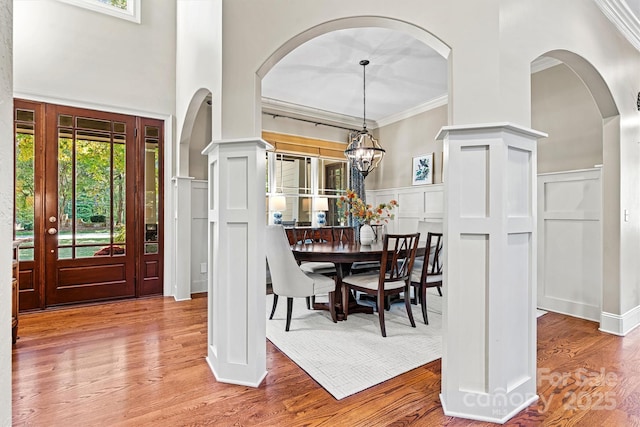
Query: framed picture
(422, 170)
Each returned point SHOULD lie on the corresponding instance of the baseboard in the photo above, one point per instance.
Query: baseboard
(198, 286)
(620, 324)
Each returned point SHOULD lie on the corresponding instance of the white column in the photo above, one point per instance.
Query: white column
(181, 289)
(489, 350)
(237, 266)
(6, 205)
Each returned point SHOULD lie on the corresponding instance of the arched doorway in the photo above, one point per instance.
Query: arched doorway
(574, 167)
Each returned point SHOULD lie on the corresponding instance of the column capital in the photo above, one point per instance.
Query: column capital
(488, 128)
(239, 141)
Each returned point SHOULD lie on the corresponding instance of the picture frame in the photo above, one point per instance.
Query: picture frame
(422, 170)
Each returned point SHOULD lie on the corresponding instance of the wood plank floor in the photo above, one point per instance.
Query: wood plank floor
(142, 362)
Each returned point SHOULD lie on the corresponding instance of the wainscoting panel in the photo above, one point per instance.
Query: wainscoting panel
(570, 243)
(198, 236)
(417, 203)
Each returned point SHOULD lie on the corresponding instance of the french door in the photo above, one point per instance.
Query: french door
(88, 194)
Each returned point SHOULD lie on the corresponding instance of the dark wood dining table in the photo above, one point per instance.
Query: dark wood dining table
(343, 255)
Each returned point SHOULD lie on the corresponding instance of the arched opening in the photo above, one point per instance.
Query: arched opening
(577, 170)
(191, 182)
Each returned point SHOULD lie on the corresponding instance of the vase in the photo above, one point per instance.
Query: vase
(367, 236)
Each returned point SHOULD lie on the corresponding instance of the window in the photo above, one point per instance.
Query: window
(301, 178)
(125, 9)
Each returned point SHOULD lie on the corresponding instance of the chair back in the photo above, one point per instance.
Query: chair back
(435, 228)
(432, 262)
(343, 235)
(397, 257)
(286, 277)
(307, 235)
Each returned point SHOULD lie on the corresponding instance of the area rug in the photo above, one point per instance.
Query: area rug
(351, 356)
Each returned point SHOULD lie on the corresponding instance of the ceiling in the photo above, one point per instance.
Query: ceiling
(325, 74)
(323, 78)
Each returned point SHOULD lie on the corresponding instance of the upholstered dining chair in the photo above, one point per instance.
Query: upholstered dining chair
(287, 279)
(398, 255)
(427, 271)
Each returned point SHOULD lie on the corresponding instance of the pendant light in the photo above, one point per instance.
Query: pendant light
(363, 151)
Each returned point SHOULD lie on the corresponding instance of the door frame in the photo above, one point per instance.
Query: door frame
(165, 241)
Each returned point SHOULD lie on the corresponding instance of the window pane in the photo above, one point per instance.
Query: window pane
(25, 182)
(151, 193)
(293, 174)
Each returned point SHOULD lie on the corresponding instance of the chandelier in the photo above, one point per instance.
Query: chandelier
(363, 151)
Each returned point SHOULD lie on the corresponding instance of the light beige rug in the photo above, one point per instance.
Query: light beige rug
(350, 356)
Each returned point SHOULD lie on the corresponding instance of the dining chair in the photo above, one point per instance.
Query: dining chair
(309, 236)
(398, 255)
(427, 271)
(344, 235)
(287, 278)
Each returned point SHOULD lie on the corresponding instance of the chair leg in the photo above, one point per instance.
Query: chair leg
(289, 310)
(275, 303)
(308, 303)
(345, 300)
(332, 306)
(407, 305)
(423, 304)
(440, 290)
(381, 301)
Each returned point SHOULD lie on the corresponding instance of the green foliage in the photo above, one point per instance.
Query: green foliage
(97, 218)
(25, 185)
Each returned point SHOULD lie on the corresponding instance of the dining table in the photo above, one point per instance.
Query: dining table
(343, 256)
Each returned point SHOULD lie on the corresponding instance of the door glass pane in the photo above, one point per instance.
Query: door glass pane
(91, 190)
(151, 190)
(119, 182)
(65, 195)
(25, 181)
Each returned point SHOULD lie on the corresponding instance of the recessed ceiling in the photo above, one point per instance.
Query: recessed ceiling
(324, 74)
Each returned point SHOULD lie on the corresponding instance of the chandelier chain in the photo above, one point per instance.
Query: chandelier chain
(364, 64)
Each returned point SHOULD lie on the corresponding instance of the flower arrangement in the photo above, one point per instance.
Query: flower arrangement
(362, 212)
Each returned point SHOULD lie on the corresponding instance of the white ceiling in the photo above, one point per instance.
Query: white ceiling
(325, 74)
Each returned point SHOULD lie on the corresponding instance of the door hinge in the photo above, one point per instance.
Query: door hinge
(135, 132)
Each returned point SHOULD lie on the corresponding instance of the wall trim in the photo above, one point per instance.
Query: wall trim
(623, 18)
(620, 324)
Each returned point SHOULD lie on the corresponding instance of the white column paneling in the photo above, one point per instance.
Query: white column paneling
(237, 269)
(570, 243)
(489, 329)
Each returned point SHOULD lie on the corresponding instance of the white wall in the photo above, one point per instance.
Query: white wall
(406, 139)
(562, 106)
(200, 138)
(73, 55)
(197, 67)
(6, 207)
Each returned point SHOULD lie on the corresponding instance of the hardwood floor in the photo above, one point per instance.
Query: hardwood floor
(142, 362)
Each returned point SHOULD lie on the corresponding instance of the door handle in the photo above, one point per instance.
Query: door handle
(52, 231)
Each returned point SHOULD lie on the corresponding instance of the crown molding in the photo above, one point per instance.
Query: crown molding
(543, 63)
(429, 105)
(274, 106)
(623, 18)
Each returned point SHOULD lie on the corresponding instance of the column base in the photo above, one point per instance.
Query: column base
(496, 408)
